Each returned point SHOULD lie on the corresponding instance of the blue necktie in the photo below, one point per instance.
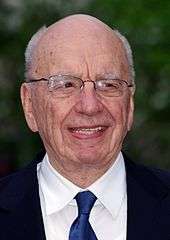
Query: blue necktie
(81, 228)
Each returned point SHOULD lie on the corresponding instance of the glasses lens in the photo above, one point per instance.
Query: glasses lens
(64, 85)
(111, 87)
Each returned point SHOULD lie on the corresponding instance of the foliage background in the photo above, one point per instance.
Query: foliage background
(147, 26)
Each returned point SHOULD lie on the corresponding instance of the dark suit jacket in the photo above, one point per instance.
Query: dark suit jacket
(148, 214)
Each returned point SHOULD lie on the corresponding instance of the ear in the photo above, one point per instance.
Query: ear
(131, 111)
(27, 104)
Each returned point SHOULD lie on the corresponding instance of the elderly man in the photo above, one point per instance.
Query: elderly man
(78, 94)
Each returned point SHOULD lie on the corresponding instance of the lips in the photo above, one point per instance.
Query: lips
(86, 132)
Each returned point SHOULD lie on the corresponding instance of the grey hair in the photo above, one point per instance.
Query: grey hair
(32, 44)
(128, 54)
(37, 36)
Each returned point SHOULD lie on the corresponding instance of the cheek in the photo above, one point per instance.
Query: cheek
(59, 110)
(120, 113)
(44, 116)
(55, 113)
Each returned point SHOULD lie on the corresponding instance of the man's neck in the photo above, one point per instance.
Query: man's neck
(81, 175)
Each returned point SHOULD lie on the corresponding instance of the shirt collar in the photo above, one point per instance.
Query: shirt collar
(110, 189)
(57, 190)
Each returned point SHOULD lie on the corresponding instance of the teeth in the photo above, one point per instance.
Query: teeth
(88, 131)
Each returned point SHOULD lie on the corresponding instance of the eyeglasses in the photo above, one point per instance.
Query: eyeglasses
(66, 86)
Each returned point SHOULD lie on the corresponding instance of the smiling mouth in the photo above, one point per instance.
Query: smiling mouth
(88, 132)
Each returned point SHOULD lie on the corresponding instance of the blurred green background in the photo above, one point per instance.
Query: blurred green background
(147, 26)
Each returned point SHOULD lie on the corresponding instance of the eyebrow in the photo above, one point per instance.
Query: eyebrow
(107, 76)
(68, 74)
(98, 76)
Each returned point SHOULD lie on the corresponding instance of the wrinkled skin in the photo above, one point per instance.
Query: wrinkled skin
(81, 46)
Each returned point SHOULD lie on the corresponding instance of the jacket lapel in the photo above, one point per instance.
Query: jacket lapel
(146, 198)
(20, 211)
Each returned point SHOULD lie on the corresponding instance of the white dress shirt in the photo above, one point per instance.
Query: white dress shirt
(108, 216)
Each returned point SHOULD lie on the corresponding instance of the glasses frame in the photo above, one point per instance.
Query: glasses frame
(82, 82)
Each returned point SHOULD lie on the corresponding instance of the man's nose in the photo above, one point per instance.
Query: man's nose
(88, 102)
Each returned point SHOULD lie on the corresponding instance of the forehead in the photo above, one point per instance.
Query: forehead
(80, 50)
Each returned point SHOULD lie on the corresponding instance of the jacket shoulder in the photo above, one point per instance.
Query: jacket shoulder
(162, 175)
(13, 178)
(22, 176)
(154, 181)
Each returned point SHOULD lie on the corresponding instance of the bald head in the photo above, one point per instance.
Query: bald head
(79, 23)
(81, 35)
(80, 27)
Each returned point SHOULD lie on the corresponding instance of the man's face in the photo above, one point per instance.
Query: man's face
(85, 129)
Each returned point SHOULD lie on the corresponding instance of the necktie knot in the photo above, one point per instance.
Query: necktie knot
(85, 201)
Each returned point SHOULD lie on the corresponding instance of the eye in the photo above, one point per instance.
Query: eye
(64, 85)
(68, 84)
(109, 85)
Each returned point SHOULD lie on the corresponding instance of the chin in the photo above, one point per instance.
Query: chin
(89, 158)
